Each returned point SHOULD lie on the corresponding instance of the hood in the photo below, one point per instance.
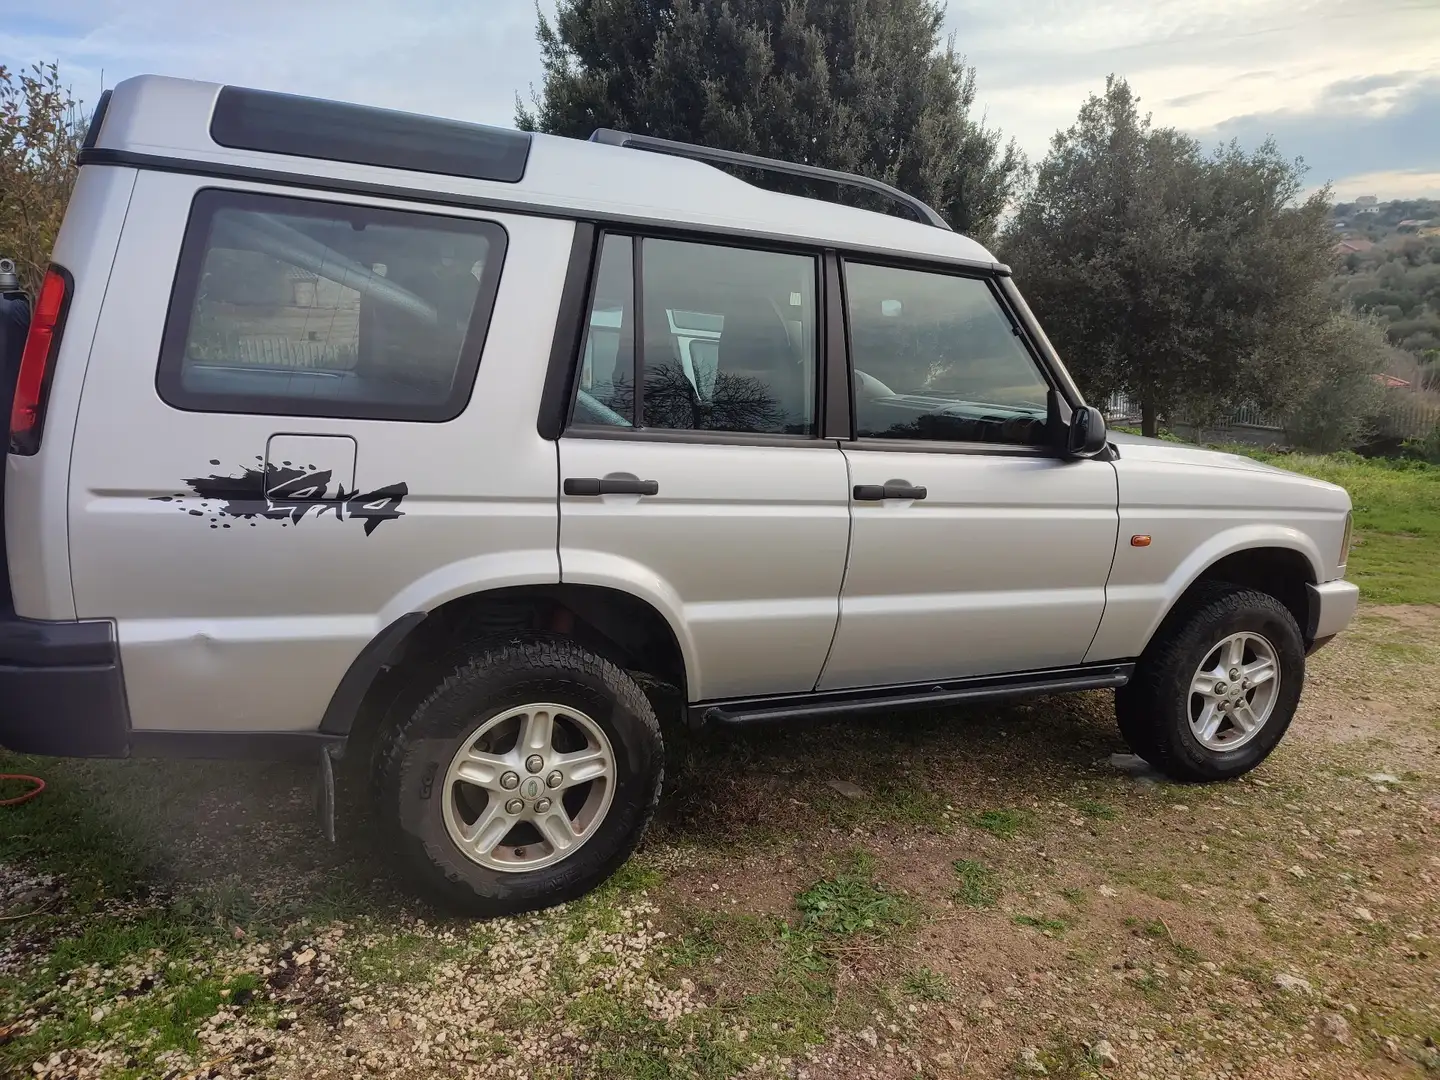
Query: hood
(1139, 447)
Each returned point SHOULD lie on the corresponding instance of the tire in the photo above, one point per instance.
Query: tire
(1155, 710)
(427, 809)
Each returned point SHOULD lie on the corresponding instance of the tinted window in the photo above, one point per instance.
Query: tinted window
(606, 392)
(336, 131)
(727, 340)
(936, 357)
(314, 309)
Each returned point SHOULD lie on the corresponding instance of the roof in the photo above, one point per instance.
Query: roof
(1347, 246)
(172, 118)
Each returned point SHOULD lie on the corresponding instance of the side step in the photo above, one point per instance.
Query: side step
(832, 703)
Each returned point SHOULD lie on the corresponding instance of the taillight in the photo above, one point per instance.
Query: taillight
(37, 364)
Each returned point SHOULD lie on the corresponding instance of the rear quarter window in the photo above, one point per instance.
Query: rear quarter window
(296, 307)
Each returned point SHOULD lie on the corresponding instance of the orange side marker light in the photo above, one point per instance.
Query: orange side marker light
(1140, 540)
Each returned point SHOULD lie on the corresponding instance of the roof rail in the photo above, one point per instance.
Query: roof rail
(921, 211)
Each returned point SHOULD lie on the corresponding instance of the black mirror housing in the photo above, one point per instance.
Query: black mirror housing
(1087, 434)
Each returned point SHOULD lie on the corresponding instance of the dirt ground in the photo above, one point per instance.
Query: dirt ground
(982, 893)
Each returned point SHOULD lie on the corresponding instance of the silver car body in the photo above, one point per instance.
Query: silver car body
(772, 579)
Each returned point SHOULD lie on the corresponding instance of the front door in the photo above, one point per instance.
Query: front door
(974, 550)
(709, 494)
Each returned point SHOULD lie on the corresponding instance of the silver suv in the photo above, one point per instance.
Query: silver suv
(341, 428)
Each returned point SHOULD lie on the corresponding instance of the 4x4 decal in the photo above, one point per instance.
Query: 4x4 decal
(285, 494)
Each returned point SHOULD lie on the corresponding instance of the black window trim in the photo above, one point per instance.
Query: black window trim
(638, 236)
(992, 279)
(204, 205)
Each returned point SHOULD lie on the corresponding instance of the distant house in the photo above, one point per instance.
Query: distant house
(1367, 210)
(1409, 225)
(1391, 382)
(1352, 246)
(1430, 230)
(1367, 201)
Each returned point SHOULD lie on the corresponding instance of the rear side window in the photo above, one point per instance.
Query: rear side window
(300, 308)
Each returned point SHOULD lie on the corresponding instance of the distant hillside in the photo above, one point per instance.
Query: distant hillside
(1388, 264)
(1382, 219)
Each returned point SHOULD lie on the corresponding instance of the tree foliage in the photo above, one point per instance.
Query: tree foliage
(1187, 280)
(40, 134)
(867, 86)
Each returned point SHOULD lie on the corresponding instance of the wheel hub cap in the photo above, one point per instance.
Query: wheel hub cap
(1234, 691)
(504, 816)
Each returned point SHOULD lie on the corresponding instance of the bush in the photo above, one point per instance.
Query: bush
(1341, 405)
(1426, 449)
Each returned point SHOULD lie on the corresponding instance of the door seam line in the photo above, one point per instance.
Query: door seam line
(845, 570)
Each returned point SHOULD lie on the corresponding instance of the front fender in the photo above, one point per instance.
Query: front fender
(1136, 603)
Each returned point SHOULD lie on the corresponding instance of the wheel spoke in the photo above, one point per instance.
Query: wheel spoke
(489, 829)
(537, 733)
(1235, 652)
(1244, 717)
(482, 769)
(1260, 671)
(1204, 684)
(557, 828)
(1208, 722)
(582, 766)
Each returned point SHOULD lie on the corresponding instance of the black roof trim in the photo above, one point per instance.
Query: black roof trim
(922, 212)
(361, 135)
(97, 118)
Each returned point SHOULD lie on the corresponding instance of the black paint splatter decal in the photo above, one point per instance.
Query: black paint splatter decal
(284, 493)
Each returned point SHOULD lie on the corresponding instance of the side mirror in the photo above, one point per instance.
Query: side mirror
(1087, 436)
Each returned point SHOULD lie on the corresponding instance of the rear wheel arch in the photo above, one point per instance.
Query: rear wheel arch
(619, 626)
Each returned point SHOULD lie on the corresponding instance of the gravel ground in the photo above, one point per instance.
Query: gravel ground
(996, 893)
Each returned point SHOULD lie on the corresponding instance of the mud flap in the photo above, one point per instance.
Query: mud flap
(325, 792)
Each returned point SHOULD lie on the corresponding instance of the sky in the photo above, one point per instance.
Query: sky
(1350, 86)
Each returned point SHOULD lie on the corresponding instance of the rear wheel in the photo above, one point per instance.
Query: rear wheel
(1216, 689)
(524, 779)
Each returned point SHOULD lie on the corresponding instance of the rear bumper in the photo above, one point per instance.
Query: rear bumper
(62, 694)
(61, 688)
(1332, 606)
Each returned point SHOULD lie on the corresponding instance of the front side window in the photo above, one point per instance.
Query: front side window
(316, 309)
(937, 358)
(726, 340)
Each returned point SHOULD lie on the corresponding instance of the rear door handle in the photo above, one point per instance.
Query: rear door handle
(891, 489)
(608, 485)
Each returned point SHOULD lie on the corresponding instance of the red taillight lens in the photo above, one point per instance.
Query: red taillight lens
(37, 364)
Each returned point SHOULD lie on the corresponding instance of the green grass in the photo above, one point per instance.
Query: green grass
(1002, 823)
(847, 904)
(977, 887)
(927, 985)
(1097, 810)
(1039, 922)
(1396, 546)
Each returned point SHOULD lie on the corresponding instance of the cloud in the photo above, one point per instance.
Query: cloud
(428, 55)
(1215, 67)
(1349, 134)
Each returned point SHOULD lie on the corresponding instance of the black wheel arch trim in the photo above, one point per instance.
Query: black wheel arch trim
(382, 651)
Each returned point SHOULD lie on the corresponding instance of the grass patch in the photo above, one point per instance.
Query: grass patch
(927, 985)
(978, 886)
(1098, 810)
(1002, 823)
(848, 904)
(1040, 922)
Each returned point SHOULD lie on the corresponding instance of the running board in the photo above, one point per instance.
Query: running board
(831, 703)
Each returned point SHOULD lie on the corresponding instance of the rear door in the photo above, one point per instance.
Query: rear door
(709, 494)
(261, 477)
(974, 549)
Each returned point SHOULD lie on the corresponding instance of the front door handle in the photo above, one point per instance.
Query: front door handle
(891, 489)
(610, 485)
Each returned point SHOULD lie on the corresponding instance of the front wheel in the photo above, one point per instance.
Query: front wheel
(1216, 689)
(524, 779)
